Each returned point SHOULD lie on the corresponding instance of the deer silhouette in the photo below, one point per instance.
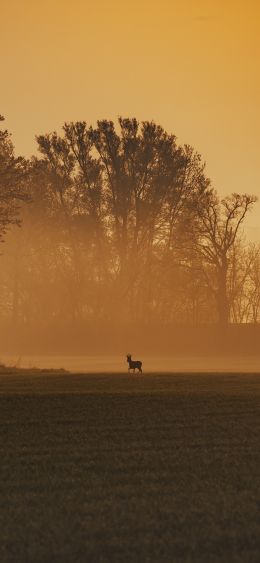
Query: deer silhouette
(133, 364)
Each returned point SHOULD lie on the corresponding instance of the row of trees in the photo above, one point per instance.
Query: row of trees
(119, 223)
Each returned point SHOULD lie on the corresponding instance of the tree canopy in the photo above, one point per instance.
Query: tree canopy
(123, 223)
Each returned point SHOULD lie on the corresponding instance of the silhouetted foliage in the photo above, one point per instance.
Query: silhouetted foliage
(12, 171)
(123, 226)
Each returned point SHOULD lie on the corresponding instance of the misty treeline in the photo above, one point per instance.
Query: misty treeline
(118, 223)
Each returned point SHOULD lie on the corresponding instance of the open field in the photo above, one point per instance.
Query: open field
(130, 468)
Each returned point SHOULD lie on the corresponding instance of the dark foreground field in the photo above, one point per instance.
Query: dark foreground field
(130, 468)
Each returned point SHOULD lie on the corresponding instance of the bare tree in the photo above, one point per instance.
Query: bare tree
(217, 232)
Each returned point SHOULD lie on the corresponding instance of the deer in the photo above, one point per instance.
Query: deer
(133, 364)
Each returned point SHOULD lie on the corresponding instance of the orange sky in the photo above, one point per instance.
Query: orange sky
(191, 66)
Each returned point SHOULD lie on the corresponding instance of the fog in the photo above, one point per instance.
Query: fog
(115, 242)
(151, 364)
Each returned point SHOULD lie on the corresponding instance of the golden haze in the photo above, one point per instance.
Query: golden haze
(192, 67)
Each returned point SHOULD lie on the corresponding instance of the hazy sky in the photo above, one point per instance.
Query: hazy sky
(191, 66)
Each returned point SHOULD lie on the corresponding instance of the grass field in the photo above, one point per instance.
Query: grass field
(130, 468)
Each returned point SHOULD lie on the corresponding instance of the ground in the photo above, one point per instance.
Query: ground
(134, 468)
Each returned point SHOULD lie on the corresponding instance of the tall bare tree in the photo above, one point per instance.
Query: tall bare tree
(219, 226)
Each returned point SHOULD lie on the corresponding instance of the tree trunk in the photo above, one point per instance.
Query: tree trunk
(222, 297)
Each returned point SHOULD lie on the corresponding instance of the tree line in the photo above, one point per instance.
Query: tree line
(120, 223)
